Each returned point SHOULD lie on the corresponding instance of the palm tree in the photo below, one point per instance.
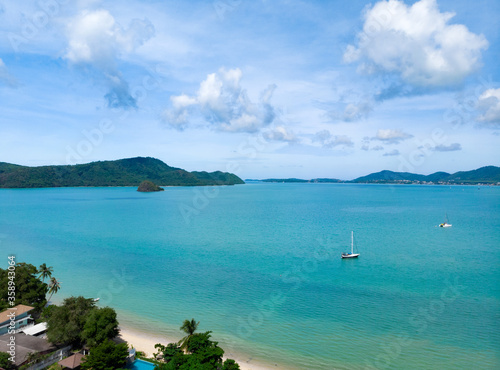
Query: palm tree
(188, 327)
(54, 287)
(45, 271)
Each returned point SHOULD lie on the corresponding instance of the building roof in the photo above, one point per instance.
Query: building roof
(24, 345)
(19, 310)
(72, 362)
(36, 329)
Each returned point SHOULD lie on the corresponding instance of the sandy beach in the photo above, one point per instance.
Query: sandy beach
(145, 342)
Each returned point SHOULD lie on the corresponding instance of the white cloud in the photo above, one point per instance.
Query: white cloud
(279, 133)
(327, 140)
(417, 43)
(489, 104)
(392, 136)
(96, 39)
(224, 103)
(447, 148)
(352, 111)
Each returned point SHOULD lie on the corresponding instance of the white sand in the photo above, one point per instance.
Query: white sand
(145, 342)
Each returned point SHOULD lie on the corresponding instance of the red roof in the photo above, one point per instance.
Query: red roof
(72, 362)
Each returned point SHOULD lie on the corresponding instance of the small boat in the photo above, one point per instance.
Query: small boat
(352, 254)
(445, 223)
(96, 299)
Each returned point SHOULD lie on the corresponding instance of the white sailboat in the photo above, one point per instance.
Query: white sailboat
(445, 223)
(352, 254)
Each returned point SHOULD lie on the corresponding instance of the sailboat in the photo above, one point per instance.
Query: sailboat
(352, 254)
(445, 223)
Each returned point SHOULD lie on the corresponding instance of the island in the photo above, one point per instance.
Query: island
(488, 175)
(148, 187)
(121, 172)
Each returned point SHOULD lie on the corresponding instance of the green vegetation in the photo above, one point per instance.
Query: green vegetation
(188, 327)
(30, 290)
(483, 175)
(45, 271)
(123, 172)
(199, 352)
(489, 175)
(147, 187)
(77, 321)
(54, 287)
(5, 363)
(101, 324)
(106, 356)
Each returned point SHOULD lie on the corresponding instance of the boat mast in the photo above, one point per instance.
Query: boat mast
(352, 242)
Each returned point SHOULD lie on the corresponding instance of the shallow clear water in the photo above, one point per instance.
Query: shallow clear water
(259, 265)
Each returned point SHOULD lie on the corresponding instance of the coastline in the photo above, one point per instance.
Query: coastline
(145, 342)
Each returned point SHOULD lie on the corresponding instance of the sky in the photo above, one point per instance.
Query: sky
(260, 88)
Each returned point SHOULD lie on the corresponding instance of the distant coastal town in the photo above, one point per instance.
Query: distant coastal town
(489, 175)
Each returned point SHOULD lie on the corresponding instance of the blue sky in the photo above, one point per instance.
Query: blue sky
(260, 88)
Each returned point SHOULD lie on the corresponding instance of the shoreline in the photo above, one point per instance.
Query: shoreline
(145, 342)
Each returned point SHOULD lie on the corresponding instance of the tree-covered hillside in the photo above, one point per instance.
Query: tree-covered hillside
(122, 172)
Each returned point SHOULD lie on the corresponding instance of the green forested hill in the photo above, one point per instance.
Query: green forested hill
(486, 175)
(122, 172)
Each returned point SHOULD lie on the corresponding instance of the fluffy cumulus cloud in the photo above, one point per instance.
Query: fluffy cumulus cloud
(327, 140)
(489, 106)
(96, 39)
(417, 43)
(280, 133)
(447, 148)
(5, 77)
(392, 136)
(223, 103)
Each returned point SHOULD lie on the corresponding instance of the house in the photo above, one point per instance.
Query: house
(37, 330)
(24, 345)
(72, 362)
(15, 318)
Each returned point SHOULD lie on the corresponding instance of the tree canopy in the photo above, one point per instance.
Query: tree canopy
(201, 352)
(5, 363)
(65, 323)
(101, 324)
(188, 327)
(30, 290)
(106, 356)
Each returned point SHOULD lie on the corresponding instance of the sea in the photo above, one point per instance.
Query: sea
(260, 266)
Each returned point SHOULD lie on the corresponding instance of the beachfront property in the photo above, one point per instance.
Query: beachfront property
(38, 330)
(25, 344)
(21, 319)
(72, 362)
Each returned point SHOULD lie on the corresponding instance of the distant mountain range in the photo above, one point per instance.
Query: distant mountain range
(483, 175)
(122, 172)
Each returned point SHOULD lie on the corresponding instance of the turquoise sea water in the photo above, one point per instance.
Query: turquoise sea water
(259, 265)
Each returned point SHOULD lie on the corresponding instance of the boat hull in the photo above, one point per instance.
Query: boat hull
(350, 255)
